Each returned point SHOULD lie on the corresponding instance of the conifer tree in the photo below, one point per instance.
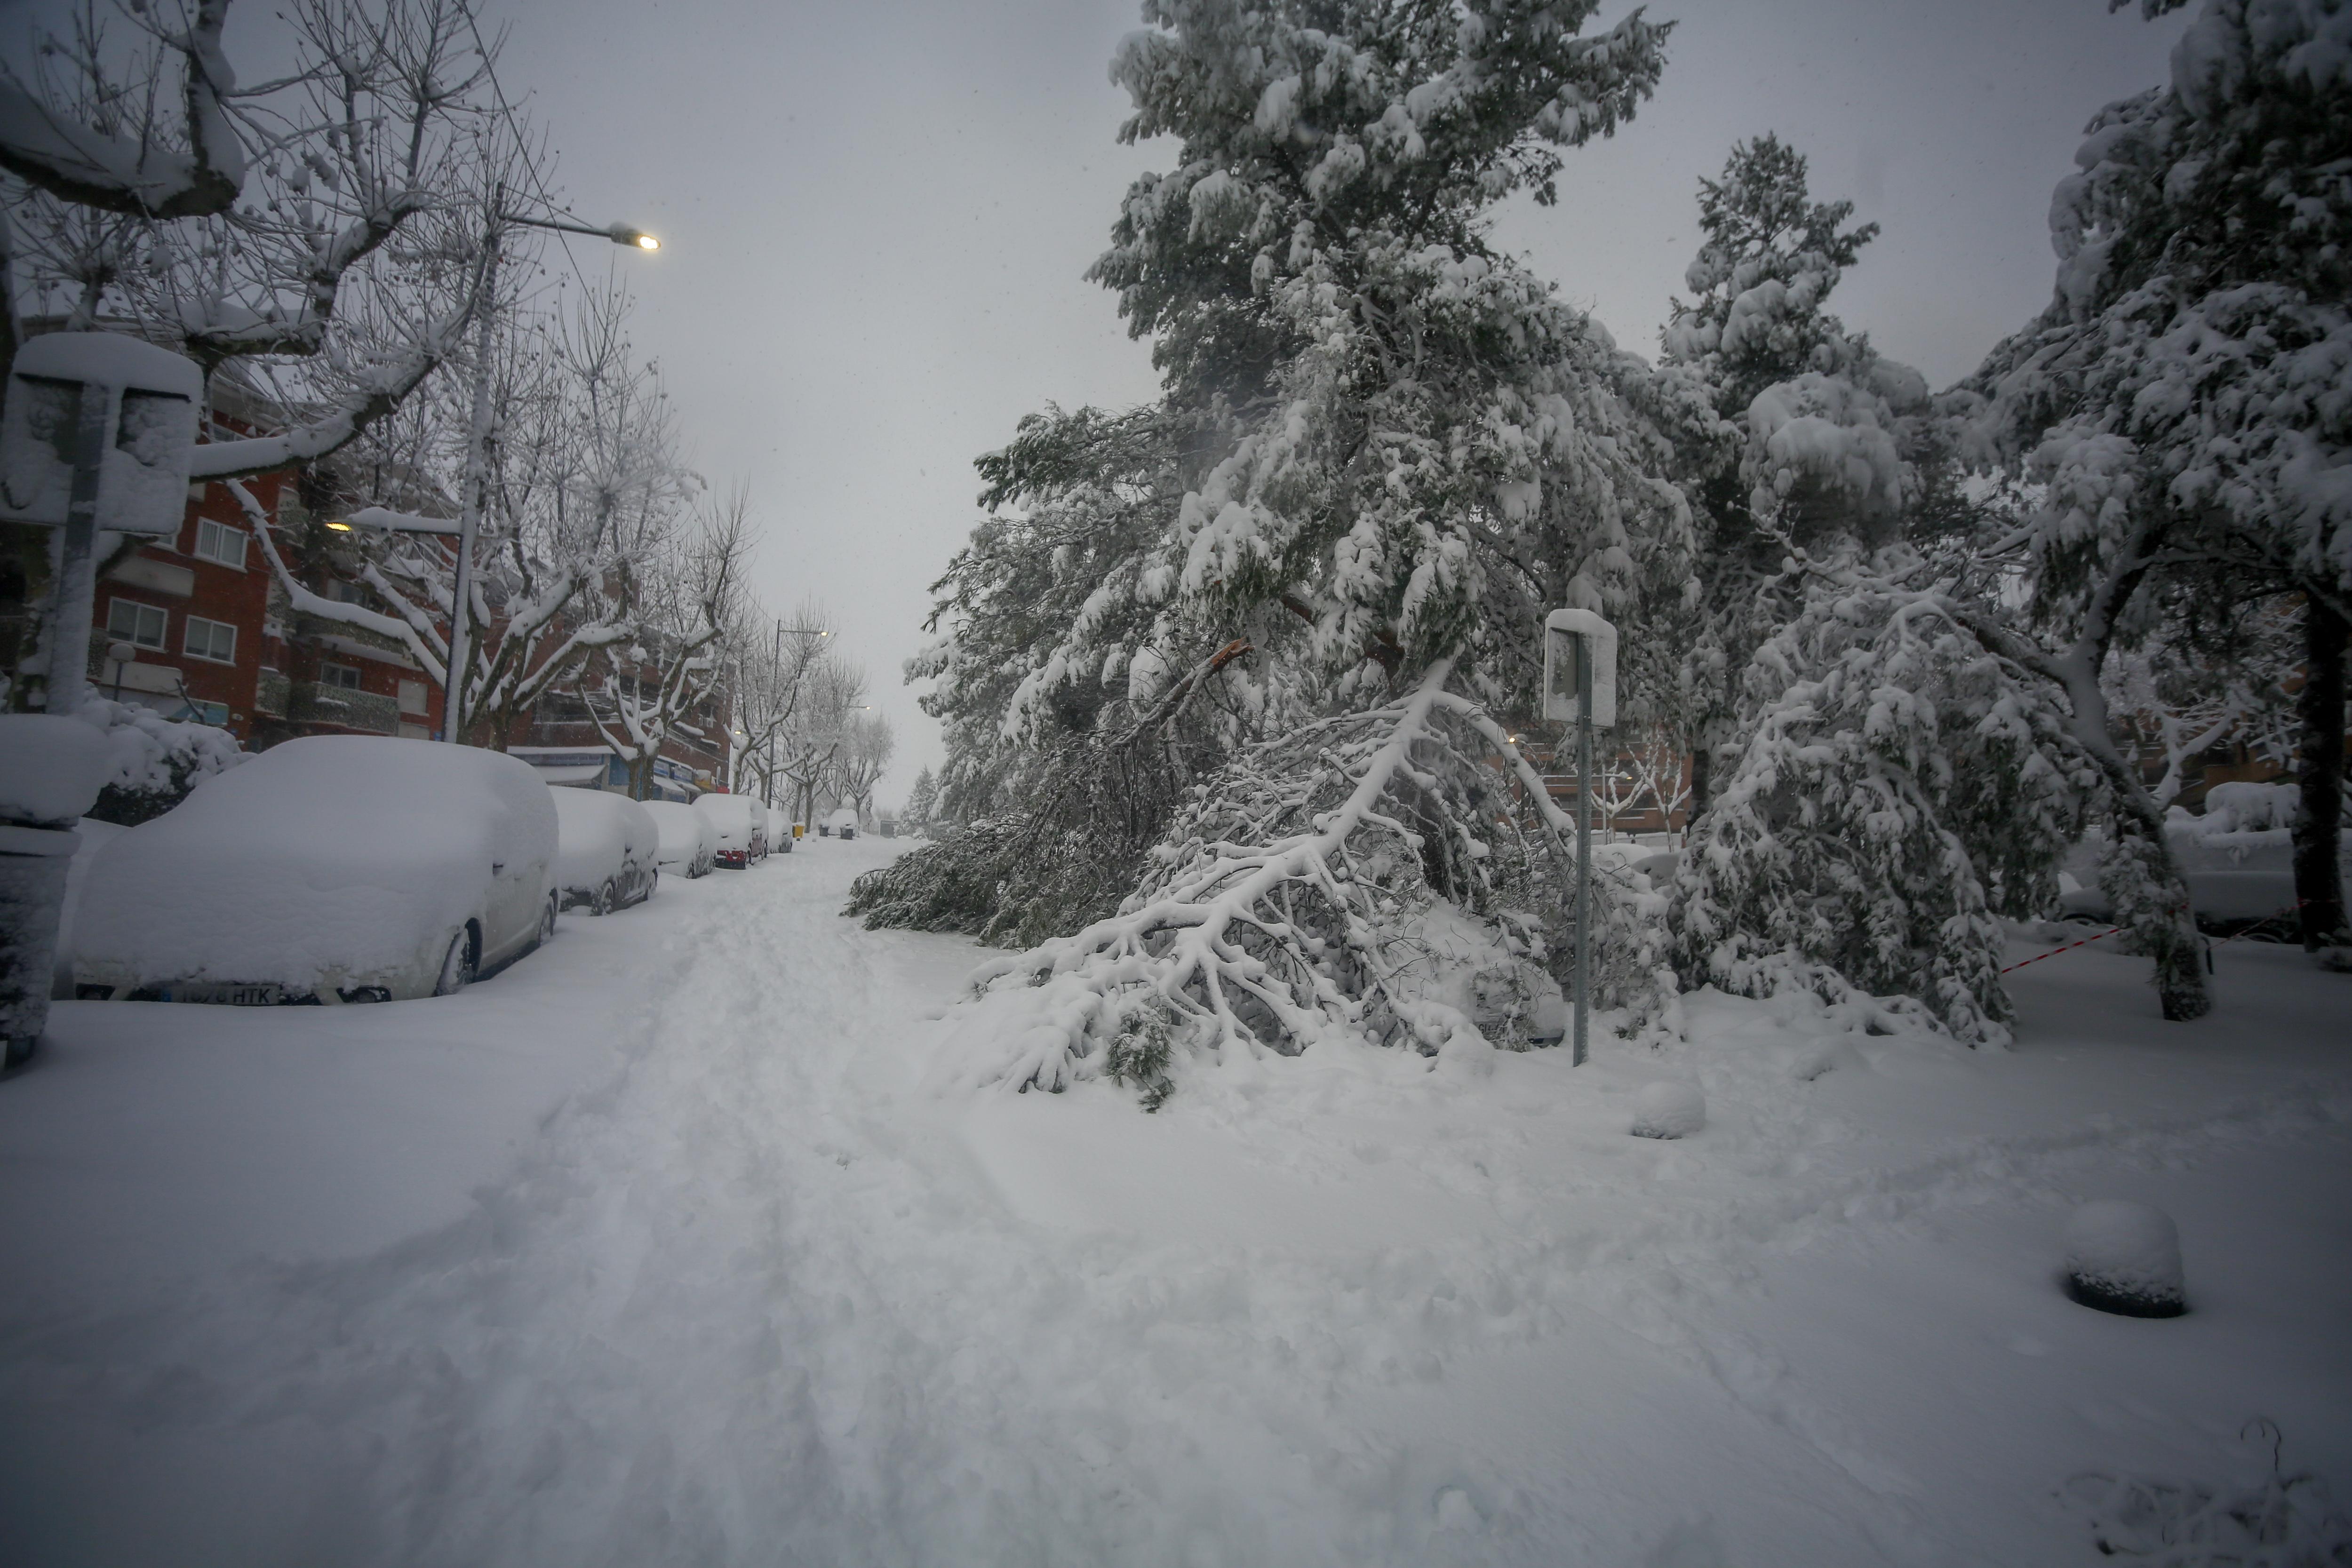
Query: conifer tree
(1384, 452)
(2184, 398)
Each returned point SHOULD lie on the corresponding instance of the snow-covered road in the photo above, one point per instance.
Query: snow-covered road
(657, 1249)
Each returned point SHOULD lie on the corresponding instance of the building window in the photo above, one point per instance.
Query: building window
(134, 623)
(344, 676)
(412, 696)
(214, 639)
(218, 541)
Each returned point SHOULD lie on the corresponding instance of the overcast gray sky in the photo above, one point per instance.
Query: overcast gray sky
(877, 214)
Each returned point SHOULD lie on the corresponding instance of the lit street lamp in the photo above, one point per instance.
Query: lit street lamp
(477, 456)
(387, 521)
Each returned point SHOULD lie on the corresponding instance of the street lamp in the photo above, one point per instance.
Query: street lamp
(385, 520)
(1580, 688)
(619, 233)
(477, 453)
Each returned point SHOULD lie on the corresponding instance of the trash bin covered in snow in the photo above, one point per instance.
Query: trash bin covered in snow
(2124, 1257)
(51, 769)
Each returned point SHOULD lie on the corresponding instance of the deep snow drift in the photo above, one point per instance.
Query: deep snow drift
(656, 1248)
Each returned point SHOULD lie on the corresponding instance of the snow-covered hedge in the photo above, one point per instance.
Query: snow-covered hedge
(154, 761)
(140, 765)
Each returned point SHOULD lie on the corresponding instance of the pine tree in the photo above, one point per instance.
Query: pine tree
(922, 800)
(1898, 788)
(1384, 452)
(2182, 402)
(1790, 428)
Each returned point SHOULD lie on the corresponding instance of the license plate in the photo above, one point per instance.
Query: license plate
(264, 995)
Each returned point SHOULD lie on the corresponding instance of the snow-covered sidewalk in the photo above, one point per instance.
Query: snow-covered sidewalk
(656, 1249)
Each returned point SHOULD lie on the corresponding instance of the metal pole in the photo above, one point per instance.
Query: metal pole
(77, 591)
(477, 489)
(1583, 840)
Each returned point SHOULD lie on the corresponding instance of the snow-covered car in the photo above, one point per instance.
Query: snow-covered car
(606, 855)
(688, 846)
(741, 825)
(843, 823)
(780, 832)
(333, 868)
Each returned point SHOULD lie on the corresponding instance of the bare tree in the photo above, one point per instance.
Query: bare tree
(866, 748)
(252, 227)
(683, 602)
(810, 748)
(585, 492)
(776, 663)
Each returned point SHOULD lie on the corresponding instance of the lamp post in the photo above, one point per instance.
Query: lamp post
(477, 445)
(1580, 688)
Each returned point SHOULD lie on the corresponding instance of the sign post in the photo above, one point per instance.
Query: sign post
(1580, 688)
(97, 434)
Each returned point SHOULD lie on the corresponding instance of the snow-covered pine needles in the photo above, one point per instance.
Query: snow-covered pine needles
(1342, 882)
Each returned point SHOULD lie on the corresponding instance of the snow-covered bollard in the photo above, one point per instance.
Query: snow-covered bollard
(1668, 1110)
(2124, 1257)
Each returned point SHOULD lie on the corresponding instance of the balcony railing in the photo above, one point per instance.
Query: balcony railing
(313, 702)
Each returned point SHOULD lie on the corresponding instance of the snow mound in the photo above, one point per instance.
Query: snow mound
(1668, 1109)
(2125, 1257)
(51, 766)
(2238, 808)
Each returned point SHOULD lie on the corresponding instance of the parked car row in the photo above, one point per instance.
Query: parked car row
(358, 868)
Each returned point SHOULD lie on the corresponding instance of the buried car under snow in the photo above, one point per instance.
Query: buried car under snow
(740, 825)
(333, 868)
(689, 843)
(606, 851)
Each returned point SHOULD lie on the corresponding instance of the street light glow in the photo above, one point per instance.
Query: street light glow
(647, 242)
(340, 528)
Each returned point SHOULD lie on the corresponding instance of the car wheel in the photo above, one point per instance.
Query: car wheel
(457, 966)
(547, 917)
(603, 903)
(19, 1050)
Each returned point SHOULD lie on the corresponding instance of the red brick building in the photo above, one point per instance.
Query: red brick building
(209, 631)
(179, 623)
